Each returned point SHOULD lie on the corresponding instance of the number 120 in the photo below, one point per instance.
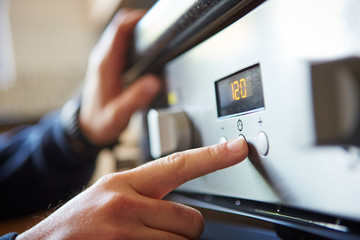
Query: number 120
(238, 89)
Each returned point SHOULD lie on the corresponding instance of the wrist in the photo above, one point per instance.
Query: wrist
(73, 132)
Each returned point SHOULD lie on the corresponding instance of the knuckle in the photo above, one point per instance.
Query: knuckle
(176, 161)
(110, 181)
(173, 158)
(214, 151)
(107, 179)
(122, 205)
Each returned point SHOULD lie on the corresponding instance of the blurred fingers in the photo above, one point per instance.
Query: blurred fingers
(110, 54)
(175, 218)
(138, 96)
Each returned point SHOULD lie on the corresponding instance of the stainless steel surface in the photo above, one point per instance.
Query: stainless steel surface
(285, 38)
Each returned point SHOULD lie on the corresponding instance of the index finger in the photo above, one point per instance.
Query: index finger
(159, 177)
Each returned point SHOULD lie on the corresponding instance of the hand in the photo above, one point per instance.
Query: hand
(128, 205)
(106, 106)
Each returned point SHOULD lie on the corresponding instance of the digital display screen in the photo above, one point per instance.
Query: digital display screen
(240, 92)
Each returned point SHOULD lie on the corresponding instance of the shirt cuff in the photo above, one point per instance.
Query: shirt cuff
(9, 236)
(77, 140)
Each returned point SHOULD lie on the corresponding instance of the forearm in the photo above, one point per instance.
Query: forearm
(38, 167)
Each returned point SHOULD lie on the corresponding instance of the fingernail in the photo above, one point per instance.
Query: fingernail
(236, 145)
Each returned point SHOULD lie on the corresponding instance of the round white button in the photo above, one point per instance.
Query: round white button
(223, 139)
(242, 136)
(262, 143)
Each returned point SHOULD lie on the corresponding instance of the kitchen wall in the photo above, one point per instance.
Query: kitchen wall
(52, 41)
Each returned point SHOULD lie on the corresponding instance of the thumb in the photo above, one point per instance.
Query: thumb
(159, 177)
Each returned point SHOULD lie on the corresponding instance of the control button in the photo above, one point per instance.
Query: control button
(242, 136)
(240, 125)
(223, 139)
(262, 143)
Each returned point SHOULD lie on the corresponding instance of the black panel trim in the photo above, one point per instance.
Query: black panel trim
(201, 21)
(331, 227)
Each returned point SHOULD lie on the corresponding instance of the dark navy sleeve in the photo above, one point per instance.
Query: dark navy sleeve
(39, 169)
(9, 236)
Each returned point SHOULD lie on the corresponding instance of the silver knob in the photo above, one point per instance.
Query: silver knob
(169, 131)
(336, 95)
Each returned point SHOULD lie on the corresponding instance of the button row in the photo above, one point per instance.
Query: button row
(262, 143)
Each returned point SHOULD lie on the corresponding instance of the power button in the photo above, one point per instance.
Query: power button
(262, 143)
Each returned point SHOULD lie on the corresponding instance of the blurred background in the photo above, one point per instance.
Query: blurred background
(44, 47)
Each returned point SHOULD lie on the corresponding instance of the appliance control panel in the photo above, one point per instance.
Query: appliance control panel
(286, 78)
